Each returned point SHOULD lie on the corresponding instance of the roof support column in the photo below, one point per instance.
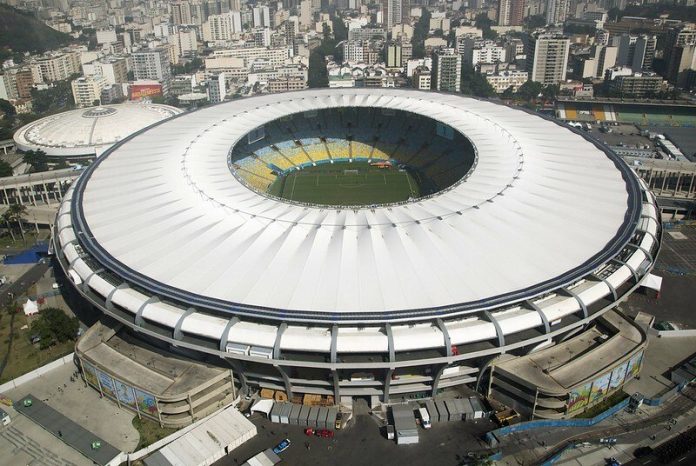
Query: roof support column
(139, 314)
(226, 333)
(390, 340)
(446, 336)
(498, 330)
(636, 278)
(177, 328)
(387, 384)
(336, 386)
(609, 285)
(286, 381)
(641, 248)
(547, 326)
(334, 342)
(109, 305)
(583, 308)
(279, 335)
(436, 379)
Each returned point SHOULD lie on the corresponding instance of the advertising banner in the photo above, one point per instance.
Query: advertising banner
(634, 366)
(125, 393)
(146, 402)
(579, 397)
(618, 376)
(600, 387)
(90, 374)
(107, 384)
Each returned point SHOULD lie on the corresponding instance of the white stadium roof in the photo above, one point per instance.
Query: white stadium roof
(542, 207)
(89, 131)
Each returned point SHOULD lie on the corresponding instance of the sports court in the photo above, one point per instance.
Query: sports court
(346, 183)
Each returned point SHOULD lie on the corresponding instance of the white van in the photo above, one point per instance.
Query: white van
(425, 418)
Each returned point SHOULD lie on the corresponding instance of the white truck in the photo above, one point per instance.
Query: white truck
(425, 418)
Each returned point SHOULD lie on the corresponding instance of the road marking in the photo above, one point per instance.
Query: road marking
(681, 459)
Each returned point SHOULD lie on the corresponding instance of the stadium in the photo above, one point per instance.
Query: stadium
(353, 244)
(86, 133)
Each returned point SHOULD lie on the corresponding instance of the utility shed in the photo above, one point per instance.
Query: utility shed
(321, 419)
(479, 410)
(454, 411)
(206, 443)
(432, 411)
(304, 414)
(469, 412)
(404, 424)
(295, 414)
(442, 410)
(285, 413)
(265, 458)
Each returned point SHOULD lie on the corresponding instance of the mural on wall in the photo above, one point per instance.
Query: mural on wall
(107, 384)
(579, 397)
(125, 393)
(634, 366)
(617, 376)
(600, 387)
(146, 402)
(90, 374)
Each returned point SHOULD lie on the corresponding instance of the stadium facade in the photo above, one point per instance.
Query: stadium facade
(174, 234)
(86, 133)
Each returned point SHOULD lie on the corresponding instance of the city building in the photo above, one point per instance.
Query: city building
(57, 66)
(637, 85)
(503, 80)
(556, 11)
(447, 71)
(217, 89)
(421, 78)
(114, 70)
(547, 57)
(87, 90)
(153, 64)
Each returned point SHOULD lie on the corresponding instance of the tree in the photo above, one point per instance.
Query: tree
(420, 32)
(54, 326)
(530, 90)
(5, 169)
(37, 159)
(474, 83)
(484, 23)
(14, 215)
(535, 21)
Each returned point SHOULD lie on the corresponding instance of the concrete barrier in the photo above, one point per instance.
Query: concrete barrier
(676, 333)
(36, 373)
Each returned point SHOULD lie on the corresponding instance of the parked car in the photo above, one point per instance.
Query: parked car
(324, 433)
(282, 446)
(309, 431)
(339, 419)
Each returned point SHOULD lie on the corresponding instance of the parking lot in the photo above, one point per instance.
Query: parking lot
(362, 442)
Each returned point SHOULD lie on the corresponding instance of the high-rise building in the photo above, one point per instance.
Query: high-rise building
(222, 27)
(153, 64)
(394, 55)
(447, 71)
(556, 11)
(262, 16)
(547, 57)
(58, 66)
(217, 88)
(678, 55)
(181, 12)
(114, 70)
(511, 12)
(87, 90)
(392, 12)
(644, 53)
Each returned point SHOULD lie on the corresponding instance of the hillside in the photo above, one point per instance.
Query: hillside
(21, 32)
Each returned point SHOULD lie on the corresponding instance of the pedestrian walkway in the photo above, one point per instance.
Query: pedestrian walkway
(65, 429)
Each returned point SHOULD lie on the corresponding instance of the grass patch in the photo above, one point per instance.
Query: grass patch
(24, 356)
(150, 431)
(31, 237)
(346, 183)
(603, 405)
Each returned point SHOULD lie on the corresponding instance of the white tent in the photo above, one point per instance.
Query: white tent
(652, 282)
(30, 307)
(263, 406)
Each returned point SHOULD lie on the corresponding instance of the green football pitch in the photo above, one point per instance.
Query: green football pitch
(346, 183)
